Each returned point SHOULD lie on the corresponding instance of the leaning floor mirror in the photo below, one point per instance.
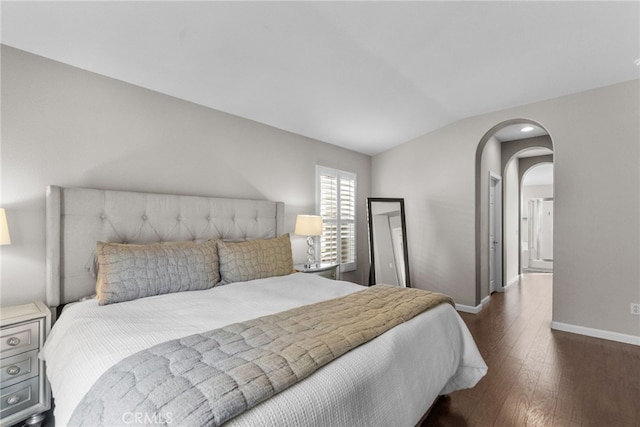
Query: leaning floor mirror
(388, 242)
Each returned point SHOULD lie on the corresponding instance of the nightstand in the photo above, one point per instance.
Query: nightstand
(330, 271)
(25, 392)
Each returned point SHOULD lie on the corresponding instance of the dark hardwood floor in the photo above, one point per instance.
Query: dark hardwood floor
(540, 377)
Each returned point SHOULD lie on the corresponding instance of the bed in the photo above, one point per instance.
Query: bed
(390, 380)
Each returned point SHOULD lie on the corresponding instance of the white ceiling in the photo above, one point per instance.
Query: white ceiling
(516, 132)
(363, 75)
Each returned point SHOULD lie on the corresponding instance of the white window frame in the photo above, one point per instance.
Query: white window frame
(339, 174)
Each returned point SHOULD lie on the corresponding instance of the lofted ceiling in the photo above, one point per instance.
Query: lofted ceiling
(519, 131)
(363, 75)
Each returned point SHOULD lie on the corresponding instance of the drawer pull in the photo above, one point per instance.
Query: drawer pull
(13, 370)
(12, 400)
(13, 341)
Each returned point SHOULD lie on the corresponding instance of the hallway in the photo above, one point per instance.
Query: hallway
(540, 377)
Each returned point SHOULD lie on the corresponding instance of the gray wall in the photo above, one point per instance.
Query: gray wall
(65, 126)
(597, 193)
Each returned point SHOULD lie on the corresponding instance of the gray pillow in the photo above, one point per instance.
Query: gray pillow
(255, 259)
(128, 272)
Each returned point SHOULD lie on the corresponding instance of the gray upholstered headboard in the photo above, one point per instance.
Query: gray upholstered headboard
(77, 218)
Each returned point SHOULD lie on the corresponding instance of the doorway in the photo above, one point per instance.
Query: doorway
(507, 149)
(537, 209)
(495, 233)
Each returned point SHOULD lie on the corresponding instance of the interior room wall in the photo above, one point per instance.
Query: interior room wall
(435, 180)
(65, 126)
(511, 231)
(597, 197)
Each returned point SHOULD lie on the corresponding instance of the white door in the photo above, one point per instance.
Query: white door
(546, 230)
(495, 233)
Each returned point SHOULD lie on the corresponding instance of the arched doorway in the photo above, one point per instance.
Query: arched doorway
(495, 157)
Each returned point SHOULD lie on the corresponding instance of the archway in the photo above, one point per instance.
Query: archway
(514, 149)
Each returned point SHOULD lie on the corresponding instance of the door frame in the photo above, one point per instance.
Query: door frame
(495, 224)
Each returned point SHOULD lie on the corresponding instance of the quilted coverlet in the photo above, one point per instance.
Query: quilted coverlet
(206, 379)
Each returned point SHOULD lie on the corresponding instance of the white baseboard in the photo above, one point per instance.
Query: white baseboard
(513, 281)
(471, 309)
(596, 333)
(509, 283)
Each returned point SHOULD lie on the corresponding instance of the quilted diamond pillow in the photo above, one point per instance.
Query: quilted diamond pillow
(255, 259)
(128, 272)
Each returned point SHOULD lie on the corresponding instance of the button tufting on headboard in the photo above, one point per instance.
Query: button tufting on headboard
(78, 217)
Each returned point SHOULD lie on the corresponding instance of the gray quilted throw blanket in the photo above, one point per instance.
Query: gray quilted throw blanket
(207, 379)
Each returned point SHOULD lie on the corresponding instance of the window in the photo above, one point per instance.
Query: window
(336, 204)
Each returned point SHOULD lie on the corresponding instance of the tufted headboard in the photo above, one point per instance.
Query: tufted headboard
(79, 217)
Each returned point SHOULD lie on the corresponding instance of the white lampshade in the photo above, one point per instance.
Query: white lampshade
(5, 238)
(308, 225)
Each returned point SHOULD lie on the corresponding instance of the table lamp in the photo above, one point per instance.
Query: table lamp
(5, 238)
(310, 226)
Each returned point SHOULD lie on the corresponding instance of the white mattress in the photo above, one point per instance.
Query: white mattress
(391, 380)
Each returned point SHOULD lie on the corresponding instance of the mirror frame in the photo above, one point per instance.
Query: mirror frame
(372, 271)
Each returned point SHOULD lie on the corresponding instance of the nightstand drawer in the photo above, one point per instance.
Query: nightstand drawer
(18, 339)
(18, 397)
(24, 390)
(330, 271)
(18, 368)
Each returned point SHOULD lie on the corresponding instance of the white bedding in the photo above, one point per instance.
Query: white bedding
(391, 380)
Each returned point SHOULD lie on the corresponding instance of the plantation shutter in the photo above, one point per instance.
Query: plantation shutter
(337, 206)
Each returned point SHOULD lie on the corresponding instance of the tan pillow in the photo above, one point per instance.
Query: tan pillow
(128, 272)
(255, 259)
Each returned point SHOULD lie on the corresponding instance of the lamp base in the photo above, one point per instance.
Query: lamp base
(311, 256)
